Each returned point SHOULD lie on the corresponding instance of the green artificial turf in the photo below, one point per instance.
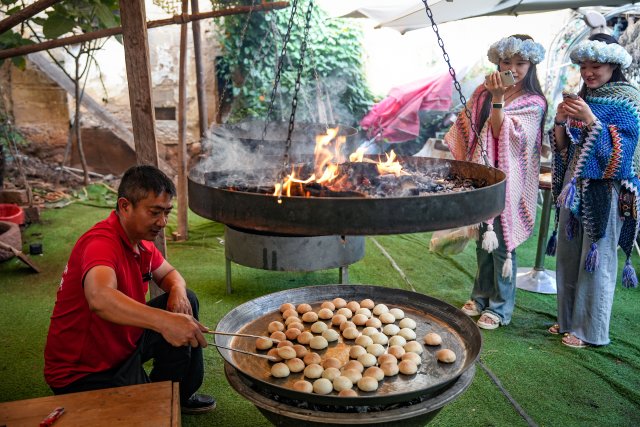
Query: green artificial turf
(553, 384)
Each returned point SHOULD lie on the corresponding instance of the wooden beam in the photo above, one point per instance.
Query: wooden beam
(203, 114)
(183, 198)
(107, 32)
(24, 14)
(136, 54)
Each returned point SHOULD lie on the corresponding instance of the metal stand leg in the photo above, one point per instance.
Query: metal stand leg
(227, 267)
(538, 279)
(343, 275)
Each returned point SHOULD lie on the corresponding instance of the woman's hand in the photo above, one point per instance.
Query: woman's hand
(561, 113)
(578, 109)
(493, 83)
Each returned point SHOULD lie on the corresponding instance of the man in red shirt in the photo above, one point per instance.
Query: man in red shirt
(102, 330)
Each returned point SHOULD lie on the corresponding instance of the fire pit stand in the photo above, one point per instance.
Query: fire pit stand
(290, 253)
(281, 411)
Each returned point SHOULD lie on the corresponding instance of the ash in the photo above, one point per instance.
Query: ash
(359, 179)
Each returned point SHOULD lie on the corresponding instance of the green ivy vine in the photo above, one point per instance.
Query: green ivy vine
(333, 66)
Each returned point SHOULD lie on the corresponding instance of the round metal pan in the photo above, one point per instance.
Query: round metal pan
(458, 331)
(357, 216)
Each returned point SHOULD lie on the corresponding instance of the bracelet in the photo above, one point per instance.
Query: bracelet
(497, 105)
(557, 123)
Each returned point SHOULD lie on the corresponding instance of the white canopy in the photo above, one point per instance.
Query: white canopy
(407, 15)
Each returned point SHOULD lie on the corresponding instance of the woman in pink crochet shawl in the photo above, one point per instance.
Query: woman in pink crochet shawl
(509, 120)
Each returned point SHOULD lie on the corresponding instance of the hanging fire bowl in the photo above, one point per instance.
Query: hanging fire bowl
(322, 216)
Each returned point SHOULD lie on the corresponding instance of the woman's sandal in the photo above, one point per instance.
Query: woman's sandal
(470, 309)
(572, 341)
(554, 329)
(488, 321)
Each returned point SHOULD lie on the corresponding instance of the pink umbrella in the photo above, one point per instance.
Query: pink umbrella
(396, 119)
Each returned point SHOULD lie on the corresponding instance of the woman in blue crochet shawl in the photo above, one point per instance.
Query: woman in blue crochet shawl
(594, 138)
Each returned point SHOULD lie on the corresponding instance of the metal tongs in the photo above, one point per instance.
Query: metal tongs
(263, 356)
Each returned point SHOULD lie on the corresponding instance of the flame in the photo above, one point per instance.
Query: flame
(391, 166)
(327, 160)
(289, 182)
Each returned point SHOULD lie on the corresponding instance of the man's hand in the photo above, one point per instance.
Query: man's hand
(182, 329)
(173, 283)
(178, 301)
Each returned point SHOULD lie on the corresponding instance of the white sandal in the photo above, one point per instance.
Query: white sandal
(482, 323)
(470, 309)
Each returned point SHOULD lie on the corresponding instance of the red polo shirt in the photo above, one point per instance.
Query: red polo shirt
(79, 342)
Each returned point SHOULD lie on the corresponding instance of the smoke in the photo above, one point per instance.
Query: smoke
(237, 153)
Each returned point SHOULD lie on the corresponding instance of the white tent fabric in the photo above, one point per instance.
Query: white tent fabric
(407, 15)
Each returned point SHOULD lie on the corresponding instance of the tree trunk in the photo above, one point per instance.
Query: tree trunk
(77, 126)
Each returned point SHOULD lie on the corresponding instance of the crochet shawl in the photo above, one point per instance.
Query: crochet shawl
(518, 156)
(597, 156)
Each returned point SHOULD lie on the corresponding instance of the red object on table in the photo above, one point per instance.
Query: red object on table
(52, 417)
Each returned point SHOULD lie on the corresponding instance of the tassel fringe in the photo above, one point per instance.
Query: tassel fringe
(507, 267)
(489, 239)
(629, 277)
(552, 244)
(593, 259)
(565, 199)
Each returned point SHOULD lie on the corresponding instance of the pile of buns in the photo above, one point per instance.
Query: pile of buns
(382, 343)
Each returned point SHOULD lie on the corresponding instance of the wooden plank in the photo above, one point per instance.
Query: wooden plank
(176, 414)
(140, 405)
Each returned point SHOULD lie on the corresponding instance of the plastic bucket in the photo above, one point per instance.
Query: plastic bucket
(11, 213)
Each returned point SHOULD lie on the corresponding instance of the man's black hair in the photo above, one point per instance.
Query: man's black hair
(138, 181)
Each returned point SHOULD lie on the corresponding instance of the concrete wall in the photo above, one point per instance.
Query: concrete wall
(41, 109)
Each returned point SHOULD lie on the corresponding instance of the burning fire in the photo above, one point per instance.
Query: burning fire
(327, 160)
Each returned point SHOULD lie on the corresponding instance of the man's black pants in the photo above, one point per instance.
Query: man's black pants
(178, 364)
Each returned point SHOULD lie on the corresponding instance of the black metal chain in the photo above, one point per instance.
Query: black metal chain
(283, 52)
(456, 84)
(294, 101)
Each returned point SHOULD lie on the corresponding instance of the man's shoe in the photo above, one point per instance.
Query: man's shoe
(199, 404)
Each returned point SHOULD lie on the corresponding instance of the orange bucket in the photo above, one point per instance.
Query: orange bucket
(11, 213)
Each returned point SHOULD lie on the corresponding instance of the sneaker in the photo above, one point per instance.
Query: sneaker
(469, 308)
(199, 404)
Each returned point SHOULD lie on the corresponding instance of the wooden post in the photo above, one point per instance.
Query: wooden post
(203, 114)
(183, 201)
(106, 32)
(24, 14)
(136, 52)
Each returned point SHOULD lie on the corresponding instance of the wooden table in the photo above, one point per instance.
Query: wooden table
(154, 404)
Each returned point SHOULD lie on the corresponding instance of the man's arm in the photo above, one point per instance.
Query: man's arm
(172, 282)
(104, 299)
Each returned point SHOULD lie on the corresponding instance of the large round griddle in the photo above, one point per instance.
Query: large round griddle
(294, 413)
(458, 331)
(356, 216)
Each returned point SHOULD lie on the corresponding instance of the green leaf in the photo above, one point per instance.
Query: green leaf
(105, 16)
(56, 25)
